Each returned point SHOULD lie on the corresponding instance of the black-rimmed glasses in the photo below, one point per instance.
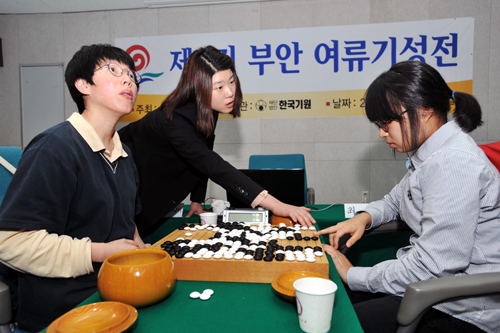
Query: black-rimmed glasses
(384, 124)
(116, 70)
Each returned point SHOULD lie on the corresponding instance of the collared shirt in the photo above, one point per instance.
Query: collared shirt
(92, 138)
(450, 198)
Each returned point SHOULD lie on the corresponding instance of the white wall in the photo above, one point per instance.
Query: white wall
(344, 155)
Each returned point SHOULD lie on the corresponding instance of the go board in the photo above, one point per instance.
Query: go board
(252, 266)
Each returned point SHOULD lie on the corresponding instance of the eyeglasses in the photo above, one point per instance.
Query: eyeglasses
(384, 124)
(116, 70)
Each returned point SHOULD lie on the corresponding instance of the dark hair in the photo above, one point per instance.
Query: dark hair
(410, 85)
(84, 63)
(195, 86)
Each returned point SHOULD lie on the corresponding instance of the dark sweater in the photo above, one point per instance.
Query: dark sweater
(62, 186)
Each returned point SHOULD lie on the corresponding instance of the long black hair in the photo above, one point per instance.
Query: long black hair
(195, 86)
(412, 85)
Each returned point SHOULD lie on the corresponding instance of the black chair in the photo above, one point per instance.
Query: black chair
(285, 161)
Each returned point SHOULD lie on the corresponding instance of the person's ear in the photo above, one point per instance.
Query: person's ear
(82, 86)
(426, 114)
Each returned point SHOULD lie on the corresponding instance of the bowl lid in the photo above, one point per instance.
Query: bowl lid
(99, 317)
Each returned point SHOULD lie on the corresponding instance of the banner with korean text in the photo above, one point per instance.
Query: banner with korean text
(307, 72)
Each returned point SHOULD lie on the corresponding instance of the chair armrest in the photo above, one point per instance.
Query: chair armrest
(392, 226)
(5, 305)
(419, 296)
(311, 197)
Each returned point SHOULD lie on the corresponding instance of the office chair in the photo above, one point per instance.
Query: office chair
(11, 155)
(286, 161)
(421, 296)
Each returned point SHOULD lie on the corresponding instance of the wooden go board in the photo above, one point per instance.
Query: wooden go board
(241, 270)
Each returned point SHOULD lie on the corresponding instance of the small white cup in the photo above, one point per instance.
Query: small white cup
(315, 298)
(208, 218)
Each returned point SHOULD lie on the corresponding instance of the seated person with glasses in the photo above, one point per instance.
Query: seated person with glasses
(450, 198)
(73, 199)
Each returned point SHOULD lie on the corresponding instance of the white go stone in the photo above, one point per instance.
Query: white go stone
(195, 294)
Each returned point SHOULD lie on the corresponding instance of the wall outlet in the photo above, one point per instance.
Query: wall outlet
(364, 196)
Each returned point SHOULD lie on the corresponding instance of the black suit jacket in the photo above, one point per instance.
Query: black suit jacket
(173, 159)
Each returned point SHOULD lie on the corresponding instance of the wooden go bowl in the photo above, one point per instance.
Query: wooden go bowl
(137, 277)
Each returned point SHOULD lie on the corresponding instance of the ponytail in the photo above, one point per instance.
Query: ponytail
(467, 111)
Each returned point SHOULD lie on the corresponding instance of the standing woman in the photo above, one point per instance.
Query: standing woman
(450, 198)
(173, 145)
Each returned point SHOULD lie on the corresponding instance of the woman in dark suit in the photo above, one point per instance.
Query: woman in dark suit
(173, 145)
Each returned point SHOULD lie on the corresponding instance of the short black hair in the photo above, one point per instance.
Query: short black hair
(84, 63)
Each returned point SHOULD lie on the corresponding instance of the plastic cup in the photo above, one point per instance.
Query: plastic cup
(219, 207)
(315, 298)
(208, 218)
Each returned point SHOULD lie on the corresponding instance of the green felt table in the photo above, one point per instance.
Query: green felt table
(253, 307)
(236, 307)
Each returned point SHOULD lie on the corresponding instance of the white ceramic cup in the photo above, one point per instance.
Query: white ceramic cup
(315, 297)
(208, 218)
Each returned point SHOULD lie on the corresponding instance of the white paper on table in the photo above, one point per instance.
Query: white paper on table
(350, 209)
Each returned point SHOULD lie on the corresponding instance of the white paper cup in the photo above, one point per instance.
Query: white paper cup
(208, 218)
(315, 297)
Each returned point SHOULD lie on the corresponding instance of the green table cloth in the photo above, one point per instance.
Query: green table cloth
(236, 307)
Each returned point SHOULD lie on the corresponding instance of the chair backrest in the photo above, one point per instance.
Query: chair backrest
(492, 151)
(285, 161)
(11, 155)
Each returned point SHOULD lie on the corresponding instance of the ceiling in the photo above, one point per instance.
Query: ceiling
(70, 6)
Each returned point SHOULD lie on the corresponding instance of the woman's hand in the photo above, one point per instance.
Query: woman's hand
(296, 214)
(355, 227)
(196, 208)
(342, 264)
